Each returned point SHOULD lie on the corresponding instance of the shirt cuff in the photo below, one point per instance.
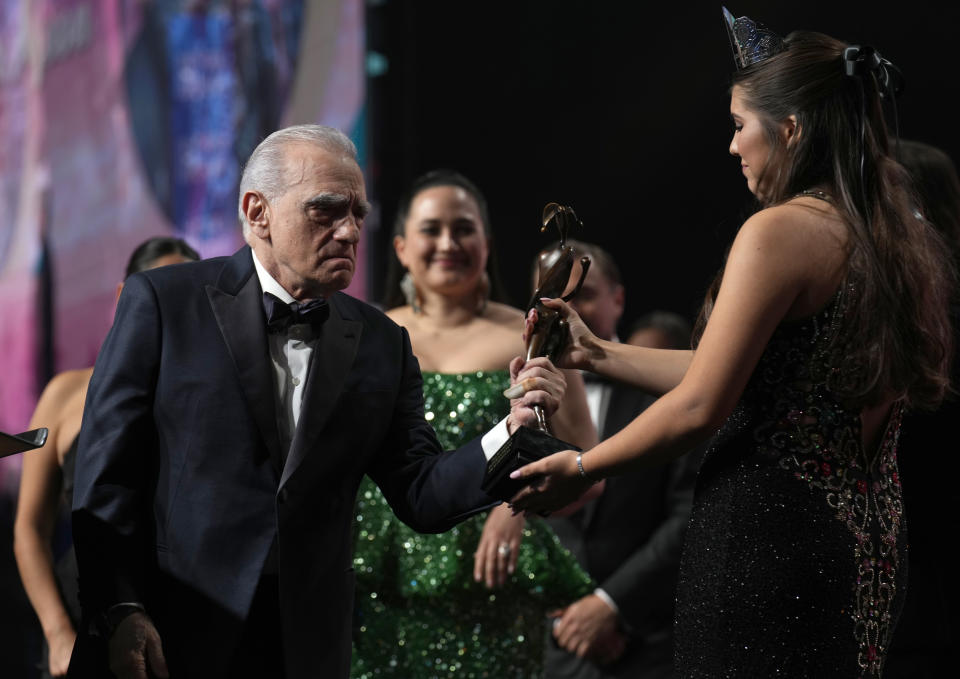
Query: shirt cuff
(494, 439)
(108, 622)
(605, 598)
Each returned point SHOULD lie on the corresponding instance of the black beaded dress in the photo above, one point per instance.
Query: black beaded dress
(795, 556)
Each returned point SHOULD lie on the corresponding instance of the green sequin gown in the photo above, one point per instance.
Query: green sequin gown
(419, 612)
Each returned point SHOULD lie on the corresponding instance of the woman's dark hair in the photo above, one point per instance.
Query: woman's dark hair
(153, 249)
(393, 297)
(896, 329)
(937, 186)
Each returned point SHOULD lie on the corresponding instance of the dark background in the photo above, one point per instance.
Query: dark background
(618, 109)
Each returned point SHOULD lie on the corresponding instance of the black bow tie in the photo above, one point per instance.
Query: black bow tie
(280, 315)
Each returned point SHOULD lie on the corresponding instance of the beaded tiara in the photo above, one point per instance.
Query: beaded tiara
(750, 40)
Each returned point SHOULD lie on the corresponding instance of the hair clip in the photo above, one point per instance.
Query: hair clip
(860, 59)
(751, 41)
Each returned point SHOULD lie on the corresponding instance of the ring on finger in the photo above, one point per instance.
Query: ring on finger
(520, 388)
(504, 549)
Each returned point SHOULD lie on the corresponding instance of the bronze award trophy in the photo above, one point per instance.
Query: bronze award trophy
(549, 338)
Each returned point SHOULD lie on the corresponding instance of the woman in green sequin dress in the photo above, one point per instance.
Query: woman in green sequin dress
(472, 602)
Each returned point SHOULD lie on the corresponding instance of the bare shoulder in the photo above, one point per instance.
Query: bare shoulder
(62, 399)
(66, 384)
(800, 247)
(794, 234)
(795, 222)
(401, 315)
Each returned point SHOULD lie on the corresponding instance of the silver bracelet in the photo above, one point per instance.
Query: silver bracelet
(583, 474)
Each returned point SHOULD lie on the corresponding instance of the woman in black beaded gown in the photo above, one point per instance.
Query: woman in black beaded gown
(828, 320)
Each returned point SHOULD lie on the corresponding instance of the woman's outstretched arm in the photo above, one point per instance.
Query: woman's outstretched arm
(776, 259)
(655, 371)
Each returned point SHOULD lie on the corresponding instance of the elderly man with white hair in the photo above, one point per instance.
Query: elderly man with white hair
(234, 408)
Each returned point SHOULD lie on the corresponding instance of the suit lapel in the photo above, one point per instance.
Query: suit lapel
(237, 303)
(589, 511)
(330, 363)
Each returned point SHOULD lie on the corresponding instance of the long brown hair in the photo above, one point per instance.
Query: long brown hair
(937, 185)
(897, 329)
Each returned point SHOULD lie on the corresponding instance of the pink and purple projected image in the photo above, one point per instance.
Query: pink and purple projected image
(121, 120)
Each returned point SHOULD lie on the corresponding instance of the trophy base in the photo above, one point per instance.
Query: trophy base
(526, 445)
(11, 444)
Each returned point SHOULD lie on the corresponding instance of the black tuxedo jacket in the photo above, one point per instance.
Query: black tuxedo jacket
(630, 539)
(181, 489)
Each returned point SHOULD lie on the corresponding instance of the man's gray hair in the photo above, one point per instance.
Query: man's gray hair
(265, 169)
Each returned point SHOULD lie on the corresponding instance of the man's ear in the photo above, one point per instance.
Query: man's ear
(619, 299)
(257, 212)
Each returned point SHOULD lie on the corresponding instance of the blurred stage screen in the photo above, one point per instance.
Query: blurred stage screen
(126, 119)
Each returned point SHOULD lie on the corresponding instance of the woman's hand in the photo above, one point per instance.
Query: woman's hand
(555, 482)
(583, 346)
(496, 555)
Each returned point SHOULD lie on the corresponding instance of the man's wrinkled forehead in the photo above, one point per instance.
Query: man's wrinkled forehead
(310, 162)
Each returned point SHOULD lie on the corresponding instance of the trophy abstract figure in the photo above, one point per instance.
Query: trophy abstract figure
(547, 332)
(547, 335)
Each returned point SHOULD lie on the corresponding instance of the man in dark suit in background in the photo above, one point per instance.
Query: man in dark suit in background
(629, 539)
(234, 407)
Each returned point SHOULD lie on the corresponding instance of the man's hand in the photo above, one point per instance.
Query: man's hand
(588, 628)
(607, 650)
(496, 555)
(534, 382)
(135, 649)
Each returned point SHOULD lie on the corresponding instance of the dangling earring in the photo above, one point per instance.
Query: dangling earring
(409, 291)
(483, 293)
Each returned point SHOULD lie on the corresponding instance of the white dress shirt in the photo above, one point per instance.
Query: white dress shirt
(597, 395)
(598, 391)
(290, 355)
